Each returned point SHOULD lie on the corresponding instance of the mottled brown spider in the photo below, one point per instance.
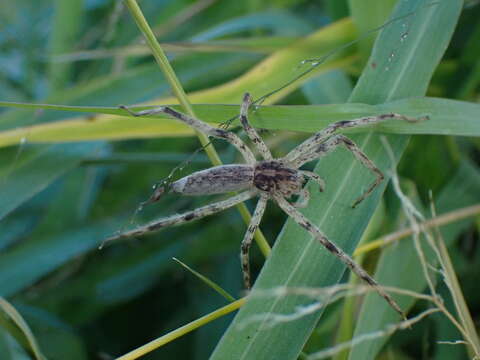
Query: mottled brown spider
(275, 179)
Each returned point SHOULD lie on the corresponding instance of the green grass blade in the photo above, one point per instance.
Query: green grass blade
(437, 25)
(266, 75)
(34, 171)
(207, 281)
(66, 25)
(447, 117)
(461, 307)
(298, 260)
(367, 15)
(51, 252)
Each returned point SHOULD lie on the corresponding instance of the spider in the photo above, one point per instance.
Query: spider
(271, 178)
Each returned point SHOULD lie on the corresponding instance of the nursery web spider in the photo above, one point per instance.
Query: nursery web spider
(269, 179)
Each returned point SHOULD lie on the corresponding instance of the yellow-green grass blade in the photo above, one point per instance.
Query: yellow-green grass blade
(270, 73)
(447, 117)
(261, 45)
(297, 259)
(20, 324)
(207, 281)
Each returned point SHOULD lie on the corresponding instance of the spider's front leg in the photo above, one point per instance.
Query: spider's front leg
(229, 136)
(315, 177)
(329, 145)
(316, 139)
(303, 198)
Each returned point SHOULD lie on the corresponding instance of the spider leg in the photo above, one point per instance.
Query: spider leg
(330, 145)
(315, 177)
(251, 132)
(301, 220)
(179, 219)
(316, 139)
(247, 239)
(304, 198)
(201, 126)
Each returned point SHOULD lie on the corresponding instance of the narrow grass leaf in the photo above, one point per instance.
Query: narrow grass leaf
(21, 180)
(447, 117)
(280, 22)
(66, 25)
(15, 316)
(297, 259)
(207, 281)
(51, 252)
(261, 79)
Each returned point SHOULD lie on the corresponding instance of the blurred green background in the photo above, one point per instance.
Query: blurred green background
(60, 200)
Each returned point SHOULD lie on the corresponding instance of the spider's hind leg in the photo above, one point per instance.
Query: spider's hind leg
(301, 220)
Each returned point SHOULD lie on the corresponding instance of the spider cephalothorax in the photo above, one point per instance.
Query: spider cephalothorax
(273, 176)
(270, 179)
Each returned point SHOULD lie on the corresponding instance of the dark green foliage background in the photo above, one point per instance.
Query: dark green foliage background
(58, 201)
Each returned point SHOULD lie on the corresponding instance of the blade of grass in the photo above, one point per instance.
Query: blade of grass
(207, 281)
(366, 15)
(66, 23)
(346, 325)
(18, 320)
(297, 259)
(438, 23)
(31, 174)
(51, 252)
(447, 117)
(461, 307)
(155, 344)
(263, 77)
(260, 45)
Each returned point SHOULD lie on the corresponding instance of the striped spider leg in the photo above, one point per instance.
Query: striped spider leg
(179, 219)
(269, 178)
(325, 141)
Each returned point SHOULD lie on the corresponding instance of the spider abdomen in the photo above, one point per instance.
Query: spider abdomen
(274, 176)
(216, 180)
